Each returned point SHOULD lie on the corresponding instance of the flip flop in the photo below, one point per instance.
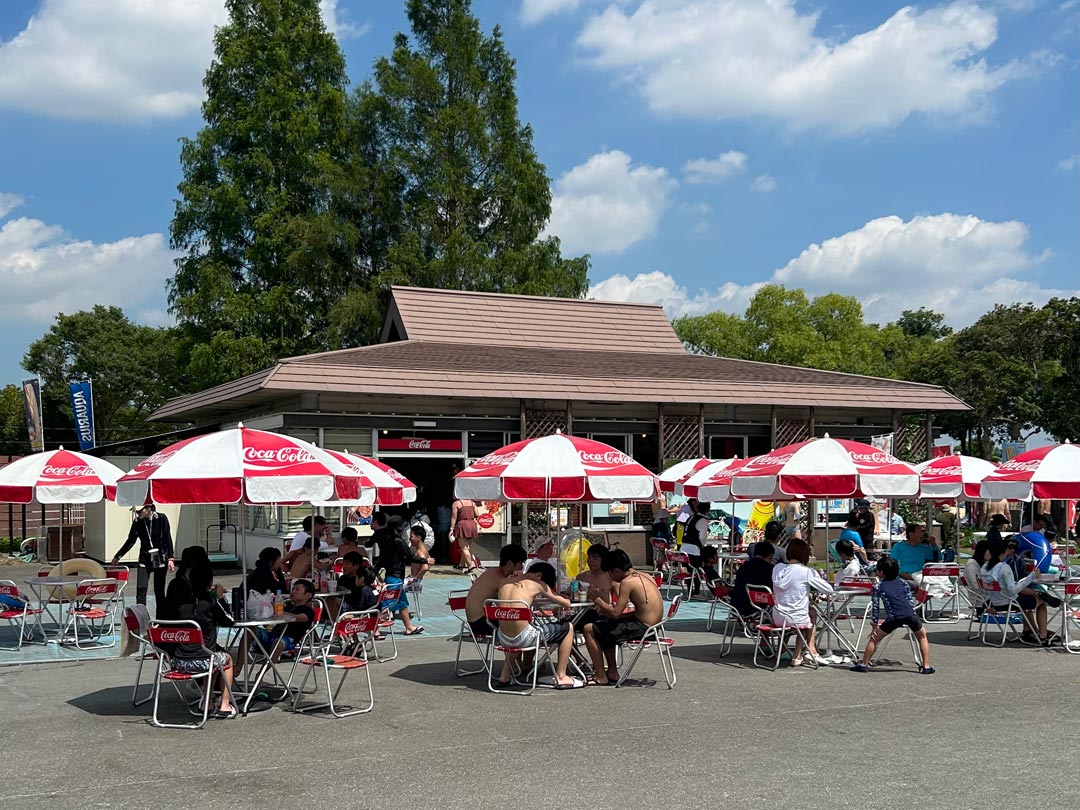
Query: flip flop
(577, 684)
(414, 632)
(594, 682)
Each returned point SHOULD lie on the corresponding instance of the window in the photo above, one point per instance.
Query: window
(721, 447)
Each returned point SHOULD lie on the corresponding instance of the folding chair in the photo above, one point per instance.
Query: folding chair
(350, 632)
(775, 635)
(515, 611)
(456, 602)
(1001, 616)
(914, 647)
(950, 571)
(977, 599)
(865, 587)
(415, 587)
(655, 635)
(734, 620)
(95, 609)
(1070, 607)
(122, 575)
(387, 596)
(16, 616)
(676, 576)
(137, 621)
(180, 632)
(660, 554)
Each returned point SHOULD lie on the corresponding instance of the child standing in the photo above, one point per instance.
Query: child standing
(895, 595)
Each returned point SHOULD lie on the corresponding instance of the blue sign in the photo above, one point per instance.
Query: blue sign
(82, 406)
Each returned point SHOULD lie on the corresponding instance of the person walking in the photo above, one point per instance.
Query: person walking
(154, 536)
(464, 529)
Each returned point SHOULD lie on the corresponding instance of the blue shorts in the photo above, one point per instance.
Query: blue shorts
(403, 601)
(268, 638)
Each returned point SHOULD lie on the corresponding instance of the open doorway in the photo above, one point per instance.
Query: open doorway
(434, 479)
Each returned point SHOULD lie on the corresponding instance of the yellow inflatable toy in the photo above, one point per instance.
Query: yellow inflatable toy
(572, 555)
(761, 513)
(77, 567)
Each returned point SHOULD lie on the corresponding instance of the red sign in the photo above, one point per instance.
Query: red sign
(485, 521)
(421, 445)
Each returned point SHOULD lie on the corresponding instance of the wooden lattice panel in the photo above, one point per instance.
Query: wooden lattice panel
(790, 431)
(910, 442)
(543, 423)
(682, 438)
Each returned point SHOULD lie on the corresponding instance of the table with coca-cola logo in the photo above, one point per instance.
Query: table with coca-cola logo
(245, 632)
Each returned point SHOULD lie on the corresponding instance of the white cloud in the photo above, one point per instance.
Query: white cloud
(763, 182)
(958, 265)
(43, 271)
(722, 59)
(9, 202)
(606, 204)
(534, 11)
(119, 60)
(704, 170)
(1069, 163)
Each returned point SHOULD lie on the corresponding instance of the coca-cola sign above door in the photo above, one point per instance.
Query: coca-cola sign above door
(418, 445)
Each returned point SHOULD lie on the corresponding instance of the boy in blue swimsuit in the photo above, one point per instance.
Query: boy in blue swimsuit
(895, 595)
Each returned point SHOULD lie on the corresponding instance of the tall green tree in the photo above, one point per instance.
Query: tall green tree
(134, 369)
(1061, 397)
(474, 197)
(264, 249)
(14, 439)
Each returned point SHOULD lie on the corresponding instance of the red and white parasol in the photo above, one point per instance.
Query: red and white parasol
(954, 477)
(58, 476)
(239, 465)
(713, 482)
(556, 468)
(676, 474)
(379, 483)
(1051, 473)
(825, 468)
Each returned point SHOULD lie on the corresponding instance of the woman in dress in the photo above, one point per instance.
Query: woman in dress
(464, 529)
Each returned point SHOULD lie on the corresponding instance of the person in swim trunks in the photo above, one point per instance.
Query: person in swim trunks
(486, 586)
(616, 624)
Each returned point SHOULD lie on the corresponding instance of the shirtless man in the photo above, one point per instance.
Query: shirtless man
(540, 580)
(486, 586)
(615, 625)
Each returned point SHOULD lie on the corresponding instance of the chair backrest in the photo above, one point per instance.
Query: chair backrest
(1072, 588)
(507, 611)
(96, 588)
(338, 567)
(120, 573)
(991, 585)
(674, 607)
(720, 589)
(760, 596)
(862, 584)
(9, 588)
(356, 623)
(678, 557)
(660, 550)
(457, 601)
(390, 594)
(941, 570)
(182, 632)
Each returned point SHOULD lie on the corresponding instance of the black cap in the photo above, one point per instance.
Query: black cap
(862, 503)
(998, 520)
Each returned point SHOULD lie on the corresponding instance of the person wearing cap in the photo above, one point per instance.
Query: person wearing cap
(154, 536)
(993, 533)
(865, 522)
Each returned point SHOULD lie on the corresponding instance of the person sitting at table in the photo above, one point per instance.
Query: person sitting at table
(350, 541)
(303, 562)
(894, 593)
(539, 581)
(269, 573)
(915, 552)
(359, 581)
(710, 561)
(616, 624)
(755, 571)
(321, 531)
(207, 608)
(850, 532)
(486, 586)
(417, 535)
(852, 565)
(791, 583)
(979, 555)
(998, 568)
(284, 638)
(594, 582)
(179, 590)
(545, 553)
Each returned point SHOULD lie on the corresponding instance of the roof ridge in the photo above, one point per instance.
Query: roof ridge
(351, 349)
(437, 290)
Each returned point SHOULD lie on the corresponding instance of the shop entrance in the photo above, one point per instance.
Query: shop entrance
(434, 479)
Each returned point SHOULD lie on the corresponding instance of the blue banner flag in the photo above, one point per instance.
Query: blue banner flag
(82, 406)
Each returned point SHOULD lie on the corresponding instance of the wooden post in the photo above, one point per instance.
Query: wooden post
(569, 418)
(701, 429)
(772, 428)
(813, 415)
(660, 437)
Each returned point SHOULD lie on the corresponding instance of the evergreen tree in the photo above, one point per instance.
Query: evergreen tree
(264, 249)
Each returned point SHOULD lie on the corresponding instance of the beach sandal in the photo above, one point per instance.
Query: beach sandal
(927, 670)
(860, 667)
(577, 683)
(417, 630)
(594, 682)
(218, 714)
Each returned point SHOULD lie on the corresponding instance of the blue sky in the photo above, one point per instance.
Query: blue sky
(925, 155)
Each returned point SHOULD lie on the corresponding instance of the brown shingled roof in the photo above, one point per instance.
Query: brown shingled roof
(414, 368)
(456, 316)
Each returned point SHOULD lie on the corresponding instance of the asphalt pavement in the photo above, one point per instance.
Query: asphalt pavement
(993, 728)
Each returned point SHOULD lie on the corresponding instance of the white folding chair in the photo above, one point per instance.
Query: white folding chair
(514, 610)
(775, 635)
(950, 572)
(388, 596)
(93, 610)
(655, 634)
(181, 632)
(457, 602)
(16, 616)
(1001, 615)
(1071, 607)
(137, 621)
(349, 633)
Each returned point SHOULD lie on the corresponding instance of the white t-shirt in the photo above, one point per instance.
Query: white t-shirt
(849, 571)
(534, 560)
(300, 538)
(791, 587)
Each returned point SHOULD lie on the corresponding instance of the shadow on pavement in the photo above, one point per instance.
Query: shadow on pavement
(115, 701)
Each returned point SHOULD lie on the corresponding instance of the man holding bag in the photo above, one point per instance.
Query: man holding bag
(154, 536)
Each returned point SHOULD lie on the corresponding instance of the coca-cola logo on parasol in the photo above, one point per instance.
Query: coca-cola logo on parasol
(497, 460)
(180, 636)
(158, 459)
(1019, 466)
(611, 458)
(510, 614)
(874, 458)
(80, 471)
(932, 472)
(278, 455)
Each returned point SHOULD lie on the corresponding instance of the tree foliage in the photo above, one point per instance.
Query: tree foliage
(134, 369)
(264, 250)
(474, 197)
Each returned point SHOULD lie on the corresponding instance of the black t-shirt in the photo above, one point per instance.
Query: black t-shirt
(361, 596)
(210, 613)
(864, 525)
(755, 571)
(296, 630)
(264, 580)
